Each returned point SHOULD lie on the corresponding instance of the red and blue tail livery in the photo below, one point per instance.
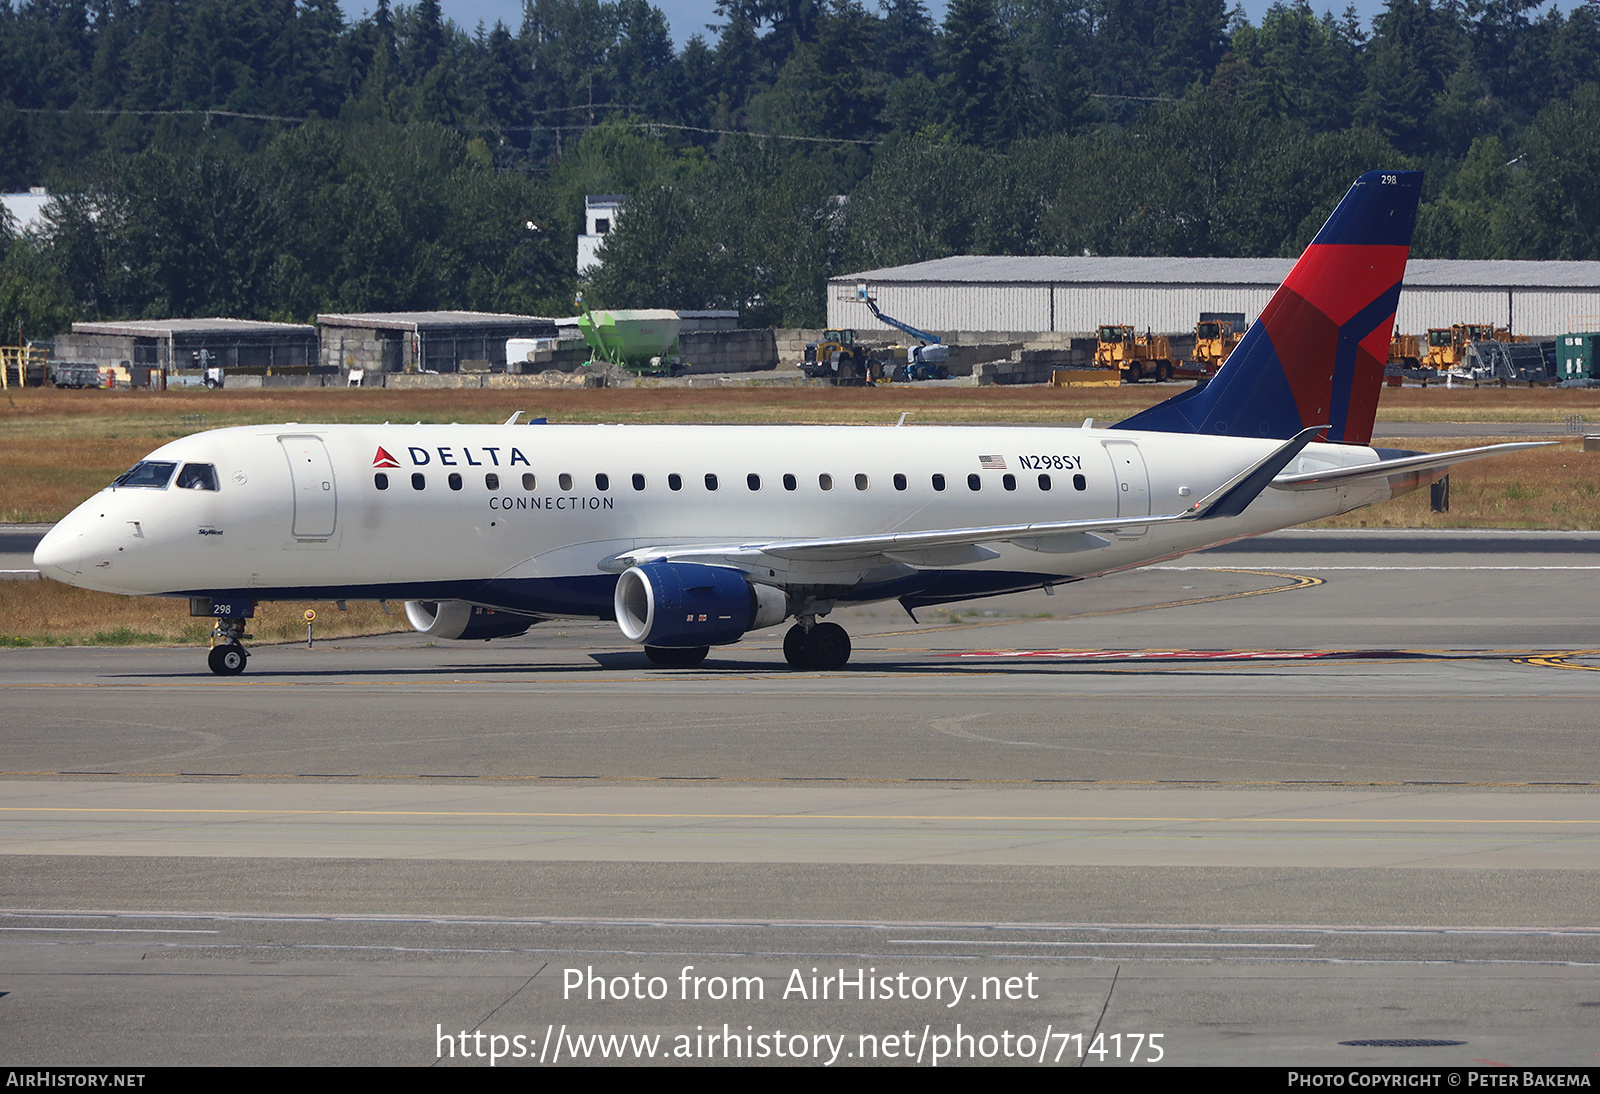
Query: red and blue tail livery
(1316, 355)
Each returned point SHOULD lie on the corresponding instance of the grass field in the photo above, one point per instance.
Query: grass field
(59, 447)
(46, 613)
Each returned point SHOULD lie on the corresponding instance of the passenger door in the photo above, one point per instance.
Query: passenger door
(316, 500)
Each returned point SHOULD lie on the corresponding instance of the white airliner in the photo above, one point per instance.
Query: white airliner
(691, 536)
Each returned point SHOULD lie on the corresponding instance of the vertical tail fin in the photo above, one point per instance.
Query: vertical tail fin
(1316, 355)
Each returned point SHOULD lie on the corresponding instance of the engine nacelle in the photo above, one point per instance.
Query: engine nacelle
(686, 604)
(456, 619)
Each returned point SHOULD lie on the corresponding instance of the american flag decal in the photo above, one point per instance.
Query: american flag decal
(992, 463)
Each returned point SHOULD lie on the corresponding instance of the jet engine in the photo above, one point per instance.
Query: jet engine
(686, 604)
(467, 622)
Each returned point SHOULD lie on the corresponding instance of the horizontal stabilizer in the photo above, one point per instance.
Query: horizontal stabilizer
(1415, 466)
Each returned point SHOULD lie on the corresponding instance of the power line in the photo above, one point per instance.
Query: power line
(162, 113)
(484, 128)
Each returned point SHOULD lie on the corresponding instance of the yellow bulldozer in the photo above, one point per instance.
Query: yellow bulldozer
(1136, 356)
(1214, 339)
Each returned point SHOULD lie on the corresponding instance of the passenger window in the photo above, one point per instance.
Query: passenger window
(1044, 482)
(418, 481)
(790, 482)
(197, 476)
(1009, 481)
(491, 481)
(527, 480)
(381, 481)
(753, 481)
(1080, 483)
(638, 481)
(674, 482)
(861, 482)
(454, 480)
(565, 480)
(938, 482)
(825, 481)
(711, 481)
(899, 482)
(973, 482)
(602, 482)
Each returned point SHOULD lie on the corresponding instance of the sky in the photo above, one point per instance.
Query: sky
(688, 17)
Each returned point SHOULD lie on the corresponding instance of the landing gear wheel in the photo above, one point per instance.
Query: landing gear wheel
(676, 657)
(827, 647)
(794, 646)
(228, 659)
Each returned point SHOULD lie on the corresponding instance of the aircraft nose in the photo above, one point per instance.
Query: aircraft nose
(59, 554)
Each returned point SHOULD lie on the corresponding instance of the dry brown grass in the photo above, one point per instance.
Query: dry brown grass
(46, 613)
(1557, 487)
(59, 447)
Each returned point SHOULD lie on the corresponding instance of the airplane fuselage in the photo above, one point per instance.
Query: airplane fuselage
(528, 517)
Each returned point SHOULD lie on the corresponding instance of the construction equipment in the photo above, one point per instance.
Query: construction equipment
(17, 361)
(926, 361)
(1449, 347)
(1136, 356)
(1214, 338)
(1406, 351)
(836, 356)
(640, 340)
(1489, 360)
(75, 374)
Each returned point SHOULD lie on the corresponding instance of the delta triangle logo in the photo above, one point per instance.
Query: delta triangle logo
(383, 459)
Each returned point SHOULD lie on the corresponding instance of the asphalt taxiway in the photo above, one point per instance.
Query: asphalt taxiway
(1311, 788)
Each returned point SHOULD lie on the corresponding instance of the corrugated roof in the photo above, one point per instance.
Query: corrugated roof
(1267, 272)
(425, 320)
(150, 328)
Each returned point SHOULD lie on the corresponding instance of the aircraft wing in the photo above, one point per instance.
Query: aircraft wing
(960, 546)
(1410, 466)
(939, 547)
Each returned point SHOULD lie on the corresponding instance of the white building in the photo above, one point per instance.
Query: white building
(27, 210)
(1167, 295)
(599, 217)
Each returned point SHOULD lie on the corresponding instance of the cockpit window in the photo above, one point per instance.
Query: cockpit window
(197, 476)
(151, 473)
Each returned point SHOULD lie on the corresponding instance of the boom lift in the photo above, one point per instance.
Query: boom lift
(921, 362)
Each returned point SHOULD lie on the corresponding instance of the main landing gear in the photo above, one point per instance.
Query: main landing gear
(821, 647)
(228, 657)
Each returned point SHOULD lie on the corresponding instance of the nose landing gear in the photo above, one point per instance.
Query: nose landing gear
(228, 657)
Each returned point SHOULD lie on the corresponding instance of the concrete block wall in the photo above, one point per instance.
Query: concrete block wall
(790, 343)
(711, 351)
(347, 348)
(104, 350)
(1013, 372)
(570, 354)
